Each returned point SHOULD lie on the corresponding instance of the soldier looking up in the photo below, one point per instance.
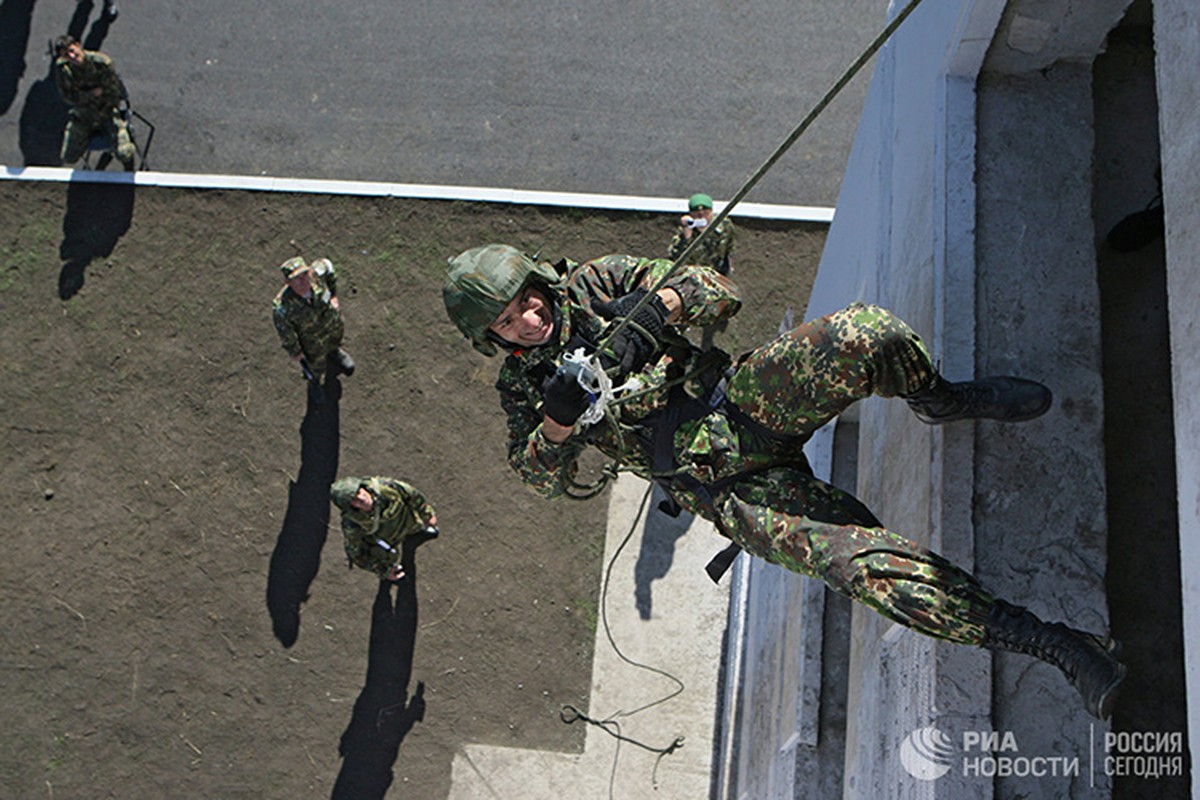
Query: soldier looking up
(308, 317)
(716, 251)
(88, 83)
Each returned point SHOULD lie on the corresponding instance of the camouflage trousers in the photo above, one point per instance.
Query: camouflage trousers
(793, 386)
(320, 345)
(83, 124)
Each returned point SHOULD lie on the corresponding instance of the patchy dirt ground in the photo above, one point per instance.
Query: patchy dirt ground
(176, 615)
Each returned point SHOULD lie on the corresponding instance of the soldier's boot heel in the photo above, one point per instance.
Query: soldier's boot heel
(344, 361)
(1088, 661)
(1002, 398)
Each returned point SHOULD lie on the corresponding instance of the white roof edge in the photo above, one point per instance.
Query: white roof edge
(611, 202)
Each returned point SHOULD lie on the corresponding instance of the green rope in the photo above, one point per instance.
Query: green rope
(786, 145)
(570, 714)
(854, 68)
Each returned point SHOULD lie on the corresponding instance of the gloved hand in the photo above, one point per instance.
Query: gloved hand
(641, 338)
(563, 399)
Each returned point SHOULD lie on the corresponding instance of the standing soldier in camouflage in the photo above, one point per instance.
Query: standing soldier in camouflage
(308, 318)
(378, 514)
(724, 441)
(89, 84)
(716, 250)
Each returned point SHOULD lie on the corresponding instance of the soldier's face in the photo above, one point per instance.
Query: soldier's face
(526, 321)
(362, 500)
(301, 284)
(74, 54)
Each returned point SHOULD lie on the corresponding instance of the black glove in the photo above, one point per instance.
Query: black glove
(563, 399)
(641, 338)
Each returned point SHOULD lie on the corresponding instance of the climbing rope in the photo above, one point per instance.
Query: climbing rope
(612, 396)
(855, 67)
(570, 714)
(786, 145)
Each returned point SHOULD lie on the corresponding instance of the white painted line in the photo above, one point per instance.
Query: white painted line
(609, 202)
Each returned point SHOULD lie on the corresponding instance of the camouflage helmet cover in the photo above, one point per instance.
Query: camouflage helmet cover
(343, 491)
(481, 282)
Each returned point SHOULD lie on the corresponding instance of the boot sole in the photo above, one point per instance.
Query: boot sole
(963, 417)
(1108, 698)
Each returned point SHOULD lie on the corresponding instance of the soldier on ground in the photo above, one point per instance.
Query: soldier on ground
(724, 440)
(89, 84)
(716, 250)
(308, 318)
(378, 514)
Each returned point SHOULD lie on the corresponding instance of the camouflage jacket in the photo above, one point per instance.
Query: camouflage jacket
(545, 466)
(715, 251)
(373, 539)
(310, 326)
(76, 84)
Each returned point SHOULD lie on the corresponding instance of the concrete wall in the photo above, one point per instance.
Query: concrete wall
(1041, 528)
(1177, 42)
(967, 207)
(902, 238)
(976, 229)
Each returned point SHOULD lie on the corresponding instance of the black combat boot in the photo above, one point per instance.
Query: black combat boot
(998, 397)
(344, 361)
(1089, 661)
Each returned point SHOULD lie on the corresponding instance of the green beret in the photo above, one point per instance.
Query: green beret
(700, 200)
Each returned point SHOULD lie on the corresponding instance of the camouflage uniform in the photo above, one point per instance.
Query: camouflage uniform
(310, 326)
(373, 539)
(715, 251)
(91, 113)
(730, 450)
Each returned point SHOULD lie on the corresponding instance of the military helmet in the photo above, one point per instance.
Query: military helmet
(343, 491)
(480, 284)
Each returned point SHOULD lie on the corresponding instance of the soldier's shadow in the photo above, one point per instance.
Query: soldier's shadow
(657, 553)
(297, 555)
(384, 713)
(16, 17)
(98, 215)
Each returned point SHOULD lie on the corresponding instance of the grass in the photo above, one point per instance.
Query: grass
(29, 251)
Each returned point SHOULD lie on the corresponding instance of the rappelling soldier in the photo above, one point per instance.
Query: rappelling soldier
(725, 440)
(378, 515)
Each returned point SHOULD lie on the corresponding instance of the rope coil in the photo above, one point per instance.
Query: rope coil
(596, 382)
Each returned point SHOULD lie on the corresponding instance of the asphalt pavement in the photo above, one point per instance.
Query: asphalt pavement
(660, 99)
